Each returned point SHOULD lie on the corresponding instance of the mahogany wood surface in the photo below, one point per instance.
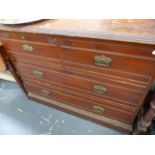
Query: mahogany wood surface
(137, 31)
(82, 94)
(105, 67)
(131, 96)
(82, 103)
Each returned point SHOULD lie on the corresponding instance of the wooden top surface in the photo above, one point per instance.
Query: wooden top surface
(139, 31)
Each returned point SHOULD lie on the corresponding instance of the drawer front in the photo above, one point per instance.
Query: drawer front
(99, 89)
(32, 49)
(28, 37)
(133, 68)
(81, 103)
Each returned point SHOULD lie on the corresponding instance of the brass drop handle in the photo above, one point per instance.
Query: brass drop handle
(37, 74)
(98, 109)
(99, 90)
(45, 92)
(102, 61)
(27, 48)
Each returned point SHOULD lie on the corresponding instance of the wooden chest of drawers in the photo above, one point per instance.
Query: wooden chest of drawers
(101, 79)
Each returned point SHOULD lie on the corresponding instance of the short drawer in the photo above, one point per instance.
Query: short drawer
(44, 51)
(81, 103)
(106, 63)
(100, 89)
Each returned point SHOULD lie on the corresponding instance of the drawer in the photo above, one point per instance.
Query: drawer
(99, 89)
(81, 103)
(28, 37)
(38, 50)
(113, 64)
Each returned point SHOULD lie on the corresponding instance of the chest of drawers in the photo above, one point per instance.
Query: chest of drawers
(103, 79)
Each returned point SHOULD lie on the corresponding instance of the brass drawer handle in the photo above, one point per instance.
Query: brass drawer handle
(45, 92)
(27, 48)
(99, 89)
(102, 61)
(98, 109)
(37, 74)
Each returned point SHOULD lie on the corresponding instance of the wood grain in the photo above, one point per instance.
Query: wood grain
(137, 31)
(56, 60)
(81, 103)
(130, 96)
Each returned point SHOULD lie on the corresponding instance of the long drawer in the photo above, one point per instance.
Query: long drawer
(100, 89)
(81, 103)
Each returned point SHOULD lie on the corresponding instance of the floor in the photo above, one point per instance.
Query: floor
(20, 116)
